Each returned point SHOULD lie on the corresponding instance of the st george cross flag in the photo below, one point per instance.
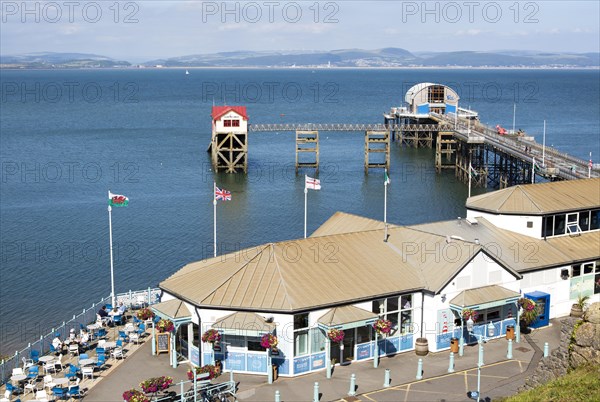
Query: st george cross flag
(116, 200)
(222, 194)
(313, 184)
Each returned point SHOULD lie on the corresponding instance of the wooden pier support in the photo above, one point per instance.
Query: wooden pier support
(307, 142)
(377, 142)
(229, 152)
(445, 148)
(475, 155)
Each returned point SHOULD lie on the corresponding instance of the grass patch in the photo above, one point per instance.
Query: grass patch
(581, 384)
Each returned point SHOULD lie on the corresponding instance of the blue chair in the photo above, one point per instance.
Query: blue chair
(101, 333)
(101, 352)
(74, 391)
(53, 349)
(35, 355)
(73, 370)
(59, 393)
(13, 389)
(123, 336)
(117, 319)
(141, 329)
(101, 361)
(109, 307)
(33, 373)
(83, 356)
(136, 320)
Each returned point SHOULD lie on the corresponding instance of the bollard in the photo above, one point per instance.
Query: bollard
(316, 392)
(546, 349)
(352, 390)
(509, 354)
(386, 379)
(451, 364)
(277, 396)
(420, 370)
(461, 346)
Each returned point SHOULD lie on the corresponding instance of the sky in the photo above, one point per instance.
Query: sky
(143, 30)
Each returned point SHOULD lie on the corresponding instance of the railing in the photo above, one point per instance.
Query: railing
(345, 127)
(88, 315)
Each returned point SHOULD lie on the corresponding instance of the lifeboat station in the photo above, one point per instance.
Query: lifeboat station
(535, 241)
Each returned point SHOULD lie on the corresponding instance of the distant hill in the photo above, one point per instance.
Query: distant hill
(386, 57)
(60, 60)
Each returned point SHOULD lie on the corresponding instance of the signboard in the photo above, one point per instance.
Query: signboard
(256, 363)
(163, 342)
(317, 361)
(363, 351)
(301, 364)
(194, 355)
(236, 361)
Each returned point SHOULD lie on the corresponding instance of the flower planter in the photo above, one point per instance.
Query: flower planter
(421, 347)
(576, 311)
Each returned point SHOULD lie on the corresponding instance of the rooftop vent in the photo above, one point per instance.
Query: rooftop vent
(476, 241)
(459, 220)
(472, 221)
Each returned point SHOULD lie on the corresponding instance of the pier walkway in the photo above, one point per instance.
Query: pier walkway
(552, 163)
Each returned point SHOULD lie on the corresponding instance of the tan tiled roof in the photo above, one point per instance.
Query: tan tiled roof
(310, 273)
(482, 295)
(521, 253)
(342, 222)
(345, 315)
(244, 321)
(173, 309)
(539, 199)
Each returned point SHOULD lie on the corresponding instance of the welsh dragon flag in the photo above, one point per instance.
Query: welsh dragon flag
(116, 200)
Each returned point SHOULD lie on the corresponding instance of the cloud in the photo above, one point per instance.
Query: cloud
(469, 32)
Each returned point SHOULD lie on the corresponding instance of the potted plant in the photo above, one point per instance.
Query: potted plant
(469, 313)
(145, 314)
(529, 313)
(382, 326)
(134, 395)
(156, 384)
(269, 341)
(211, 336)
(578, 308)
(335, 335)
(165, 325)
(213, 371)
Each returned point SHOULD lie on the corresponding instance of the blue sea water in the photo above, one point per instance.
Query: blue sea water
(67, 137)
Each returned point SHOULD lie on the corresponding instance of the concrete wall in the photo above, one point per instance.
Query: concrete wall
(514, 223)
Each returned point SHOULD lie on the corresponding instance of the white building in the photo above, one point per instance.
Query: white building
(345, 277)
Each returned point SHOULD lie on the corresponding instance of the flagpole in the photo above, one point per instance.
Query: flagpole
(514, 116)
(590, 167)
(533, 171)
(112, 274)
(385, 186)
(470, 167)
(214, 220)
(305, 201)
(544, 146)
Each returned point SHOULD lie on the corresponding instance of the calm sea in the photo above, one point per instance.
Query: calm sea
(67, 137)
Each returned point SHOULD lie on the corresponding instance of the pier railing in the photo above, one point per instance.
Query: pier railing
(130, 299)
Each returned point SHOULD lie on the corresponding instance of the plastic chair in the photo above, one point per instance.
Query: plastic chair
(58, 363)
(123, 336)
(59, 393)
(27, 363)
(53, 349)
(33, 373)
(83, 356)
(75, 391)
(101, 362)
(6, 397)
(13, 389)
(49, 382)
(73, 370)
(87, 372)
(41, 395)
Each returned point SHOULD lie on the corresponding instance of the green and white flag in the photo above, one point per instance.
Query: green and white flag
(117, 200)
(386, 178)
(472, 171)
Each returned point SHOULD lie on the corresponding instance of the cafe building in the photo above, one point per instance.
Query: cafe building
(348, 274)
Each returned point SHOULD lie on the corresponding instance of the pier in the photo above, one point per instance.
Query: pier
(432, 119)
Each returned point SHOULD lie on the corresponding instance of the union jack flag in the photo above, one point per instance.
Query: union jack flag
(222, 194)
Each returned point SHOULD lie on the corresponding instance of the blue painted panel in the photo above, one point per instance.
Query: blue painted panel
(207, 358)
(382, 343)
(317, 361)
(450, 108)
(220, 356)
(406, 342)
(393, 345)
(423, 109)
(256, 363)
(283, 365)
(443, 340)
(364, 351)
(235, 361)
(301, 364)
(195, 355)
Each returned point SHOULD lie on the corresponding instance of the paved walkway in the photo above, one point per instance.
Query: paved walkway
(499, 376)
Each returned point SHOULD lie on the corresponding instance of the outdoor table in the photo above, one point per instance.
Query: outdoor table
(94, 326)
(18, 378)
(47, 358)
(109, 345)
(60, 381)
(85, 362)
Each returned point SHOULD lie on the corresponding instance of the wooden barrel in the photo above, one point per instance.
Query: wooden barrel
(454, 345)
(421, 347)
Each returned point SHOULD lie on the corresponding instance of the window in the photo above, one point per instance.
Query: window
(406, 314)
(317, 340)
(227, 123)
(547, 226)
(584, 279)
(300, 334)
(196, 338)
(595, 219)
(559, 225)
(584, 220)
(529, 224)
(254, 345)
(364, 334)
(235, 123)
(573, 223)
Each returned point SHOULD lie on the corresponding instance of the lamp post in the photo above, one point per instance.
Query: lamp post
(491, 330)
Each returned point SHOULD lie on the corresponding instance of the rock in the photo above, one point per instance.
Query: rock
(584, 336)
(584, 355)
(593, 313)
